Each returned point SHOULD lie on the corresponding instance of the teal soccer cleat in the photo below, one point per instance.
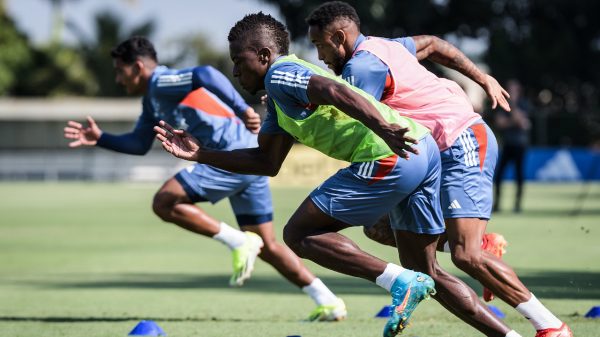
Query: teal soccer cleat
(407, 293)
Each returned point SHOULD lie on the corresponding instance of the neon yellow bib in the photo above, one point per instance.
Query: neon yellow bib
(332, 132)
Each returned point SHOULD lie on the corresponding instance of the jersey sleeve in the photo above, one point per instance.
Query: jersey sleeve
(367, 72)
(214, 81)
(137, 142)
(287, 84)
(408, 43)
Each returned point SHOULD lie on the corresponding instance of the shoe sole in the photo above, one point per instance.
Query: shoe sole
(403, 322)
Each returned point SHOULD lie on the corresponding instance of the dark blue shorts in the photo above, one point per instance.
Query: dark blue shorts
(407, 190)
(467, 174)
(249, 196)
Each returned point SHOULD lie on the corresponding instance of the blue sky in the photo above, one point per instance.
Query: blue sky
(174, 18)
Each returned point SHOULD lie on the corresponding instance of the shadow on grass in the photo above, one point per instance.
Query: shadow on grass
(545, 213)
(545, 284)
(61, 319)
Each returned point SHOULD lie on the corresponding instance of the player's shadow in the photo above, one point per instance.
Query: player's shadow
(545, 284)
(65, 319)
(556, 284)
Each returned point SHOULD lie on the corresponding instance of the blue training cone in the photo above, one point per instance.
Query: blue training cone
(147, 328)
(496, 311)
(593, 313)
(385, 312)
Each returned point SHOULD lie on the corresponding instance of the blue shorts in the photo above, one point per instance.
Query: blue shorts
(407, 190)
(468, 172)
(249, 196)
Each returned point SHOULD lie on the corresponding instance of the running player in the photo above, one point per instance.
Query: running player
(204, 102)
(387, 69)
(308, 104)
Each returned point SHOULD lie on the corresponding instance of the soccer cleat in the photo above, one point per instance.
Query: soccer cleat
(405, 298)
(329, 312)
(244, 257)
(563, 331)
(495, 244)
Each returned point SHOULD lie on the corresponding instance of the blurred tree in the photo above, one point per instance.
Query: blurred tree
(198, 50)
(15, 53)
(109, 31)
(551, 46)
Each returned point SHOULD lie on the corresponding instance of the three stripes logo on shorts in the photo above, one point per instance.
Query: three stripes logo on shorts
(289, 79)
(469, 148)
(454, 205)
(365, 169)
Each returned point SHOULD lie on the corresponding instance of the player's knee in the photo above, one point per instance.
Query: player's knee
(162, 206)
(293, 240)
(467, 260)
(385, 237)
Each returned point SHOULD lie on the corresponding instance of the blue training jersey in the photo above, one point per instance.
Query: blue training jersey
(287, 84)
(200, 100)
(367, 72)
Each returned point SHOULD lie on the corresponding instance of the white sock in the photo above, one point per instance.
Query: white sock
(230, 236)
(390, 274)
(447, 247)
(318, 291)
(512, 333)
(538, 314)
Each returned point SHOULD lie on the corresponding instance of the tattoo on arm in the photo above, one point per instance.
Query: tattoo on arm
(444, 53)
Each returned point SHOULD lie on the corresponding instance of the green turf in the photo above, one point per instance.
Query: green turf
(92, 260)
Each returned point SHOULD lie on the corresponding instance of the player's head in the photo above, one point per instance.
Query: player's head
(333, 28)
(134, 61)
(254, 44)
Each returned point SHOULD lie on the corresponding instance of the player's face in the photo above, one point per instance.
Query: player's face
(129, 76)
(248, 68)
(328, 47)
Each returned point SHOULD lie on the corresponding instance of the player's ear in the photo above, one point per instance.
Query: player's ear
(338, 37)
(138, 66)
(264, 55)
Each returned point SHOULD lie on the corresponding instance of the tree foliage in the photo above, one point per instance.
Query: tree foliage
(551, 46)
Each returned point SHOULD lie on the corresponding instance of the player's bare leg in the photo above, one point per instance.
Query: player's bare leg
(418, 252)
(465, 236)
(312, 234)
(280, 256)
(172, 204)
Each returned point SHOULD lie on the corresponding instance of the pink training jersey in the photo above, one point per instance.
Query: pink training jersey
(438, 103)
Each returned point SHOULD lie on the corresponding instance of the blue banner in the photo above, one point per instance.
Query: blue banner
(558, 165)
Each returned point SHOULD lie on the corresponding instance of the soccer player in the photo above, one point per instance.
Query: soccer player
(202, 100)
(308, 104)
(389, 70)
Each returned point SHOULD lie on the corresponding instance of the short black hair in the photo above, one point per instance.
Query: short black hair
(257, 27)
(132, 48)
(329, 12)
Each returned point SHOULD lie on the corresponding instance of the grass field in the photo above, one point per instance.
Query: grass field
(92, 260)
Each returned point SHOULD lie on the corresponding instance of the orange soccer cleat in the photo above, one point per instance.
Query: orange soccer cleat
(563, 331)
(493, 243)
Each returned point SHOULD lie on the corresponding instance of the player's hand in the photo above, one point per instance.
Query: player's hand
(496, 93)
(177, 142)
(251, 120)
(396, 138)
(83, 136)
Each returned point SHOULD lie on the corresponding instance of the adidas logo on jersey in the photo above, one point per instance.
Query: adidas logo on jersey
(454, 205)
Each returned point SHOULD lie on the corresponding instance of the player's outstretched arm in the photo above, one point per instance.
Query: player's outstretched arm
(324, 91)
(82, 136)
(266, 159)
(442, 52)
